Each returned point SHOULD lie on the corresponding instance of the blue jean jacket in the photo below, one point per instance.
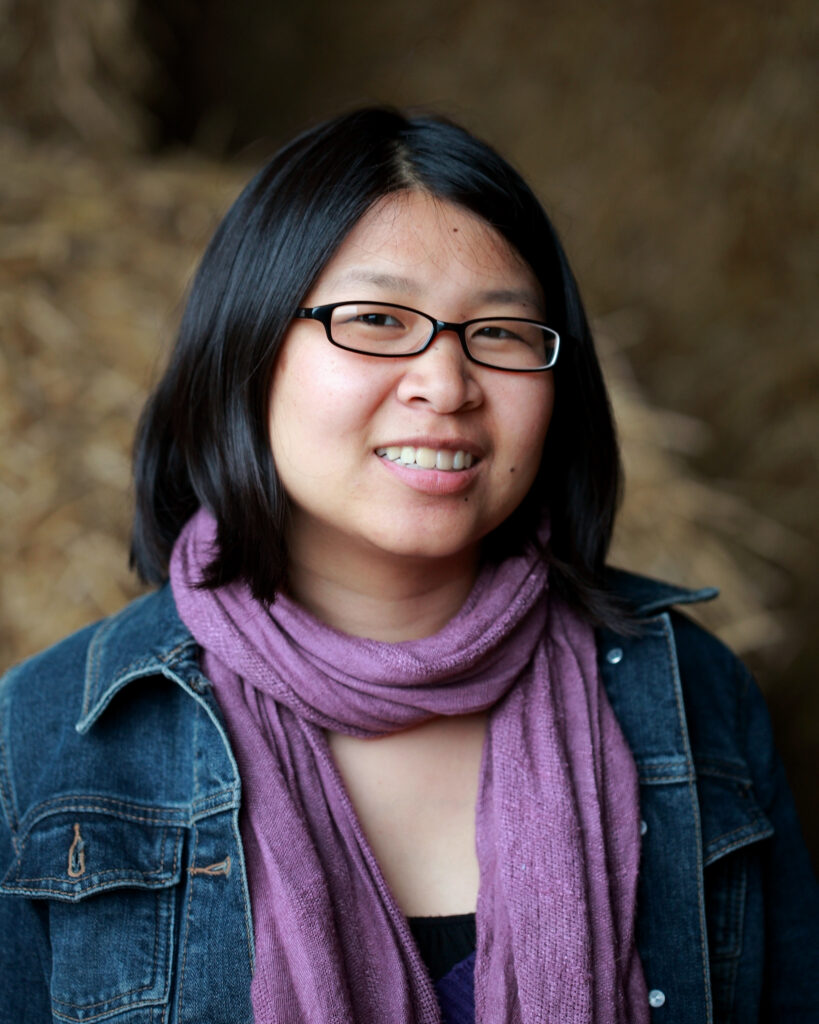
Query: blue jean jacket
(124, 893)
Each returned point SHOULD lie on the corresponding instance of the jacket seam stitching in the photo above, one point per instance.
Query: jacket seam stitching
(246, 913)
(192, 881)
(739, 844)
(104, 805)
(692, 792)
(151, 1003)
(209, 812)
(6, 788)
(123, 873)
(710, 773)
(126, 811)
(749, 826)
(686, 779)
(64, 1015)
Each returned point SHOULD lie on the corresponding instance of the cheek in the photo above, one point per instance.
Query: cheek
(529, 412)
(291, 396)
(319, 397)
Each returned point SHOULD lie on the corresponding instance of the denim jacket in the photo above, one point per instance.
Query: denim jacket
(124, 894)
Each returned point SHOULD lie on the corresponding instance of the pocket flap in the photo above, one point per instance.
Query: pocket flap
(71, 854)
(730, 815)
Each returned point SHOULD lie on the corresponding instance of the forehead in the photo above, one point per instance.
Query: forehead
(416, 237)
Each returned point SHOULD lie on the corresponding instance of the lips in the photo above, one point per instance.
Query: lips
(446, 459)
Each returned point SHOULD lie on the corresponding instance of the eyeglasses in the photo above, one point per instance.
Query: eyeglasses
(391, 331)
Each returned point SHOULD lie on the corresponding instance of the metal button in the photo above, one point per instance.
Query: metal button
(614, 656)
(656, 998)
(643, 826)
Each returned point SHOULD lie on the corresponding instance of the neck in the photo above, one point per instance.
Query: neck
(389, 600)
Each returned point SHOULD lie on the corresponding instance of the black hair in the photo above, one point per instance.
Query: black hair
(203, 435)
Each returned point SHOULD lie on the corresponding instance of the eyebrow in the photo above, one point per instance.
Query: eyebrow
(508, 296)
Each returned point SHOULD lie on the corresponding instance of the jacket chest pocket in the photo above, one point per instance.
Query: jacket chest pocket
(109, 885)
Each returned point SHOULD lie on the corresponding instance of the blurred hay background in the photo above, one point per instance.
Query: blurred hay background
(672, 144)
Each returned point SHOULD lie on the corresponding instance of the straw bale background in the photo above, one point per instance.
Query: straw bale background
(95, 256)
(671, 143)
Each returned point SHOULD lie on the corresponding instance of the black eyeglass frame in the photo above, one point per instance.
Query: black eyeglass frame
(324, 315)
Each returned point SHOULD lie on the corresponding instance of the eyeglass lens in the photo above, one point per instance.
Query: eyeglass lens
(379, 329)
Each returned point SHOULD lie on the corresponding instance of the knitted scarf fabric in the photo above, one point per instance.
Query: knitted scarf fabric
(557, 812)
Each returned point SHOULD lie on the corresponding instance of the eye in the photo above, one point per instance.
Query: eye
(510, 341)
(366, 317)
(505, 333)
(380, 329)
(378, 320)
(498, 332)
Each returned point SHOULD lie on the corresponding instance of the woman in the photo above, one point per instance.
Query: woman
(390, 744)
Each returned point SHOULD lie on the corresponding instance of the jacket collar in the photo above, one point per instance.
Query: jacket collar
(147, 638)
(646, 596)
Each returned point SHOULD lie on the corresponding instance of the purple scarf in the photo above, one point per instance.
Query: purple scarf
(557, 812)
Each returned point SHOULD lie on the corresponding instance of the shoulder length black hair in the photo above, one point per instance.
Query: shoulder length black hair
(203, 436)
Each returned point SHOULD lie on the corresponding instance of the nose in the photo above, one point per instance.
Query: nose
(441, 377)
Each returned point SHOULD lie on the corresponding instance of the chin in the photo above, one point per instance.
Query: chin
(438, 543)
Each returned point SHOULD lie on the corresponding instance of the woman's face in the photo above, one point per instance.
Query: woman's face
(333, 412)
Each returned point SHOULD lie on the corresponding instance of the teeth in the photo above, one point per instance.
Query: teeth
(426, 458)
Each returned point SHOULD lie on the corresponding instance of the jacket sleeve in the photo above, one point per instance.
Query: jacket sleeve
(791, 893)
(25, 957)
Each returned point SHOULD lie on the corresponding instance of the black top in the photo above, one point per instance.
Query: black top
(443, 941)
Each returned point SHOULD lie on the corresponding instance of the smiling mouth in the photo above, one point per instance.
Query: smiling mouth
(427, 458)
